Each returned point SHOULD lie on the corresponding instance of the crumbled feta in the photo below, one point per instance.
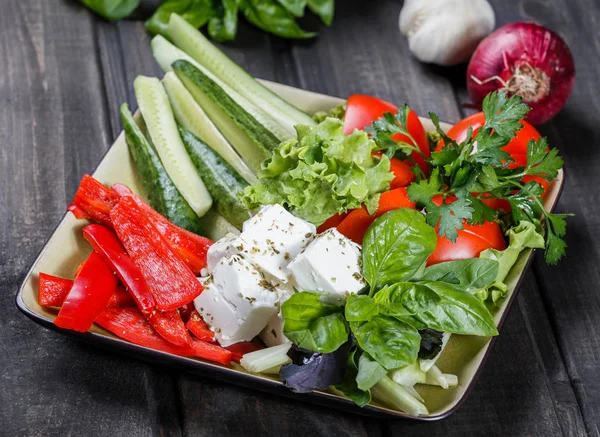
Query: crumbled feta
(331, 265)
(272, 238)
(237, 301)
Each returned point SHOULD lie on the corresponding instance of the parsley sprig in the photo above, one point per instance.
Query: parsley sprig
(463, 175)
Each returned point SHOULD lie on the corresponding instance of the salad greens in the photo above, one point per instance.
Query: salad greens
(405, 311)
(274, 16)
(321, 173)
(478, 168)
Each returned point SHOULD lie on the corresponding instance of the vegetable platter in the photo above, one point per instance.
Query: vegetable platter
(84, 250)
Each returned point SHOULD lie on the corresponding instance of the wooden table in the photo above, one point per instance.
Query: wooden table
(64, 74)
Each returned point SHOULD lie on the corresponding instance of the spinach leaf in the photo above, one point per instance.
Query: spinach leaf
(271, 17)
(295, 7)
(457, 312)
(349, 385)
(223, 27)
(370, 372)
(195, 12)
(472, 274)
(112, 10)
(395, 246)
(324, 9)
(310, 370)
(431, 343)
(312, 324)
(391, 342)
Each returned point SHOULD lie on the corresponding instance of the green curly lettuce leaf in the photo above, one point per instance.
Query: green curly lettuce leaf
(321, 173)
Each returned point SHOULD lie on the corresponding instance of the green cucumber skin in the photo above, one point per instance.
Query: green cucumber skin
(262, 137)
(162, 193)
(221, 180)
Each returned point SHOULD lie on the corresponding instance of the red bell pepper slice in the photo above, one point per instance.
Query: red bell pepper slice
(191, 248)
(358, 221)
(89, 295)
(93, 200)
(332, 222)
(53, 290)
(167, 323)
(121, 298)
(238, 350)
(186, 310)
(199, 328)
(170, 280)
(108, 246)
(131, 325)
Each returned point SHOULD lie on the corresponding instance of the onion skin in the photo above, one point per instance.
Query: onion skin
(526, 59)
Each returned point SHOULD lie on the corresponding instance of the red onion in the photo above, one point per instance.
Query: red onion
(524, 59)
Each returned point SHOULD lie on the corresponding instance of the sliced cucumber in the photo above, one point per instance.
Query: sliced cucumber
(156, 110)
(250, 139)
(216, 226)
(192, 117)
(223, 182)
(190, 40)
(166, 54)
(162, 193)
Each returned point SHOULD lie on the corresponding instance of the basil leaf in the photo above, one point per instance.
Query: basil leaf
(296, 7)
(405, 298)
(395, 246)
(271, 17)
(324, 9)
(370, 372)
(472, 274)
(312, 324)
(391, 342)
(195, 12)
(223, 27)
(112, 10)
(360, 308)
(457, 312)
(349, 385)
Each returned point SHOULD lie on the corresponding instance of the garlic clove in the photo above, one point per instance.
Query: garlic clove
(432, 40)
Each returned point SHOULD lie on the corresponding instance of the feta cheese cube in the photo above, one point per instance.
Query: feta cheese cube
(329, 265)
(226, 246)
(272, 238)
(237, 301)
(272, 335)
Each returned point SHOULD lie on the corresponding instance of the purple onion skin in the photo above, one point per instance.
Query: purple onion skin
(526, 59)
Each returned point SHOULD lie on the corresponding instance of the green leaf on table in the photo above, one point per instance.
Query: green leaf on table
(223, 26)
(391, 342)
(324, 9)
(312, 324)
(458, 312)
(295, 7)
(395, 246)
(195, 12)
(271, 17)
(112, 10)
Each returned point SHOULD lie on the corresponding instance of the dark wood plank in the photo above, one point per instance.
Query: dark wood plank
(55, 127)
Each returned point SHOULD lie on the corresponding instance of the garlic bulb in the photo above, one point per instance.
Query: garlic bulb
(445, 32)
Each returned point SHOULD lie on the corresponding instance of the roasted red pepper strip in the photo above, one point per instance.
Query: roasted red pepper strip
(170, 280)
(167, 323)
(199, 328)
(121, 298)
(238, 350)
(89, 295)
(53, 290)
(191, 248)
(93, 200)
(131, 325)
(108, 246)
(186, 311)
